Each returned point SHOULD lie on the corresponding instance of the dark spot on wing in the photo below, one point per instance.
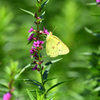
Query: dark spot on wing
(53, 47)
(58, 43)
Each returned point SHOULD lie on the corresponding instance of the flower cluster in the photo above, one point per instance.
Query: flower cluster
(97, 1)
(7, 96)
(37, 45)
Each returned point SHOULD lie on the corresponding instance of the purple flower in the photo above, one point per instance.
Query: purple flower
(30, 30)
(35, 55)
(45, 31)
(30, 37)
(40, 42)
(7, 96)
(35, 67)
(36, 44)
(97, 1)
(32, 50)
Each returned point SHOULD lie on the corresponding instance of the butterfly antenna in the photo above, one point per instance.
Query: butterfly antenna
(54, 29)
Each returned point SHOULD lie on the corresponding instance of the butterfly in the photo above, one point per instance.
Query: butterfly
(54, 46)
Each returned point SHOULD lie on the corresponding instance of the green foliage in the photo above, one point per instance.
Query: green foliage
(92, 4)
(55, 86)
(30, 95)
(91, 32)
(70, 17)
(7, 81)
(27, 12)
(44, 4)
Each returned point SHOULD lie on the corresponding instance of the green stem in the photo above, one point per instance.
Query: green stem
(41, 73)
(39, 57)
(40, 68)
(38, 31)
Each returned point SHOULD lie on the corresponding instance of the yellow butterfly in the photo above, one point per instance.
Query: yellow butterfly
(54, 46)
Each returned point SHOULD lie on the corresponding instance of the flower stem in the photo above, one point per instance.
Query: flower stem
(39, 58)
(40, 69)
(38, 31)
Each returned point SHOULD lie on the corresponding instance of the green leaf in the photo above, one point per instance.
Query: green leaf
(29, 36)
(49, 79)
(37, 95)
(51, 62)
(97, 89)
(45, 74)
(29, 42)
(38, 0)
(38, 84)
(97, 15)
(27, 66)
(44, 4)
(12, 68)
(38, 5)
(39, 20)
(28, 12)
(3, 83)
(56, 60)
(92, 4)
(50, 97)
(42, 15)
(55, 86)
(30, 95)
(48, 66)
(4, 89)
(91, 32)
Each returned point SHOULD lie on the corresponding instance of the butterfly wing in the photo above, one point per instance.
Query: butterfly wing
(55, 47)
(50, 47)
(61, 47)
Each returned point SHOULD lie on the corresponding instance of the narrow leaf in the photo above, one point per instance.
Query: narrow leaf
(97, 15)
(38, 0)
(29, 42)
(92, 4)
(55, 85)
(38, 5)
(27, 66)
(34, 81)
(30, 95)
(91, 32)
(42, 15)
(3, 83)
(50, 97)
(56, 60)
(28, 12)
(38, 84)
(37, 95)
(49, 79)
(4, 89)
(48, 63)
(51, 62)
(45, 74)
(48, 66)
(39, 20)
(97, 89)
(43, 5)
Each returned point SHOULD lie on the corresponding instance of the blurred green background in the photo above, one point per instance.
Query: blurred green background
(70, 17)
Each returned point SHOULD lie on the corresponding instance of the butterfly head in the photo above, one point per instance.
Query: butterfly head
(50, 33)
